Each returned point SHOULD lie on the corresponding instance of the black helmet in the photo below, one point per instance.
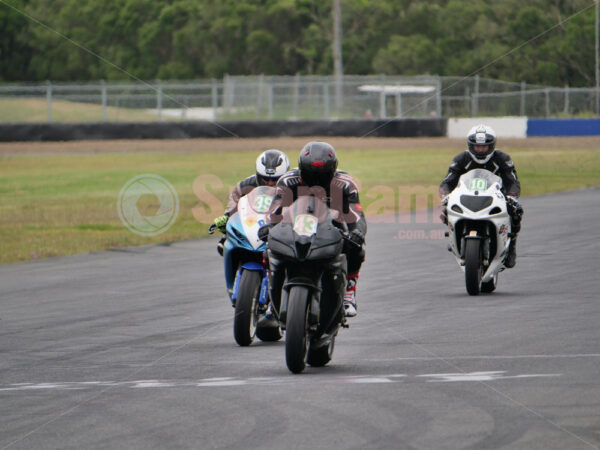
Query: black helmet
(317, 164)
(481, 135)
(270, 165)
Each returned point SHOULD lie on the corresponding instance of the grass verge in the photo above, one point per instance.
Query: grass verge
(36, 110)
(60, 204)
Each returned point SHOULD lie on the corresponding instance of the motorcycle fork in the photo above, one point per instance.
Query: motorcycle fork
(276, 278)
(264, 290)
(313, 282)
(483, 236)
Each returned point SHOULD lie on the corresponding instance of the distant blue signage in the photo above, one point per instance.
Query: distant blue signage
(563, 127)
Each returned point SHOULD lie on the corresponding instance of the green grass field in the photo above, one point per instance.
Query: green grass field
(36, 110)
(59, 204)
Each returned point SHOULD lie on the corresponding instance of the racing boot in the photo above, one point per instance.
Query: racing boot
(511, 257)
(268, 319)
(350, 309)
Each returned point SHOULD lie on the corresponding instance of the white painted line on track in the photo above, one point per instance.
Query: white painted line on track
(481, 376)
(369, 380)
(476, 357)
(261, 363)
(270, 381)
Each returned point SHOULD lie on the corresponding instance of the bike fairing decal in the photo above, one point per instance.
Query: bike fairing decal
(251, 220)
(262, 203)
(305, 224)
(478, 184)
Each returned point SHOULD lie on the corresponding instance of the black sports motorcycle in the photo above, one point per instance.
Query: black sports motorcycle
(308, 274)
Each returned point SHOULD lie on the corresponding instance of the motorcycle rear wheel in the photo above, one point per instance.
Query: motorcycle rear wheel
(318, 357)
(296, 333)
(473, 272)
(268, 334)
(246, 305)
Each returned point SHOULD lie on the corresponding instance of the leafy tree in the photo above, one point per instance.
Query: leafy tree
(408, 55)
(15, 52)
(148, 39)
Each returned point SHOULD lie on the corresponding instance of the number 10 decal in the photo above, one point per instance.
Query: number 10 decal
(478, 184)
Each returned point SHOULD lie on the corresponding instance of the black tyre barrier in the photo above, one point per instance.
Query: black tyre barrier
(186, 130)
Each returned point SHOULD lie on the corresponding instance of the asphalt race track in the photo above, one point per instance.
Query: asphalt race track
(133, 349)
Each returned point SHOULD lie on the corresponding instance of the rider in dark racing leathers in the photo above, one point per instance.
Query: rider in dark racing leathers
(482, 154)
(317, 173)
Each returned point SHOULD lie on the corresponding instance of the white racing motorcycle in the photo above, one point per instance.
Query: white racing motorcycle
(479, 229)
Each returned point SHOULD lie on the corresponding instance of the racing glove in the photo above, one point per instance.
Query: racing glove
(357, 237)
(514, 207)
(221, 223)
(444, 214)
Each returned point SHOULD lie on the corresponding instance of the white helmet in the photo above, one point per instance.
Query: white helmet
(481, 135)
(270, 165)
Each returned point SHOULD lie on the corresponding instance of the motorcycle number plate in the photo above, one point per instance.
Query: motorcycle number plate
(478, 184)
(305, 224)
(262, 203)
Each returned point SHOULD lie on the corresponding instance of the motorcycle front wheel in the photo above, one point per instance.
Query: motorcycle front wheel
(296, 333)
(246, 305)
(473, 272)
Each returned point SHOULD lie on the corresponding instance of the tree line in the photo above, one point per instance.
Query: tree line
(189, 39)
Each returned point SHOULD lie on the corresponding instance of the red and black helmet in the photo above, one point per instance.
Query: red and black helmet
(317, 164)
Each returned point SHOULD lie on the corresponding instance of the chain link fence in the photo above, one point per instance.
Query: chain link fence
(290, 98)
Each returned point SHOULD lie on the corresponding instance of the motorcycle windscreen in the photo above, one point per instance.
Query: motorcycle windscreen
(480, 180)
(307, 205)
(306, 231)
(261, 198)
(253, 209)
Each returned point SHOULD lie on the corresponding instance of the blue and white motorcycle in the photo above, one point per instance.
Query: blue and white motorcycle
(246, 273)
